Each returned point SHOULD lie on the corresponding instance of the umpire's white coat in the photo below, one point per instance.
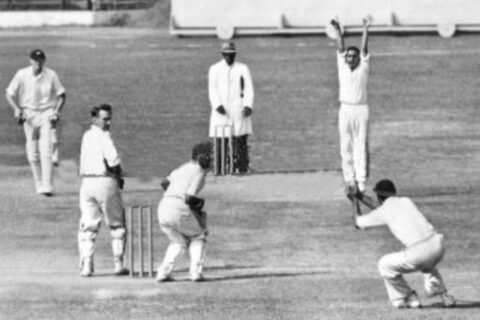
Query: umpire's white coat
(225, 88)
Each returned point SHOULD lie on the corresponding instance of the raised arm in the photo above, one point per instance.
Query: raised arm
(367, 22)
(339, 37)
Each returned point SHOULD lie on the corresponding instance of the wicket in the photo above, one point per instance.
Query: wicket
(135, 217)
(225, 133)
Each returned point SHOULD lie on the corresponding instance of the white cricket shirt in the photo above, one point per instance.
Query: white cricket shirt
(187, 179)
(97, 146)
(353, 83)
(403, 219)
(35, 92)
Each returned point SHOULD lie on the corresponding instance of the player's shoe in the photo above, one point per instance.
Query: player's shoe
(45, 192)
(361, 187)
(411, 301)
(447, 299)
(162, 277)
(198, 277)
(86, 268)
(119, 269)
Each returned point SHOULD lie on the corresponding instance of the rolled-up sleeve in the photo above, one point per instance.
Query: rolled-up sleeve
(12, 88)
(377, 217)
(110, 153)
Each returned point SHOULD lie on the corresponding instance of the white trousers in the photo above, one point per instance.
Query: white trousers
(423, 257)
(39, 147)
(100, 197)
(184, 232)
(353, 129)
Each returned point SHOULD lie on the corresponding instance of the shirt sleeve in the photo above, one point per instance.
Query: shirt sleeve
(248, 92)
(57, 85)
(110, 153)
(213, 94)
(12, 88)
(341, 58)
(196, 183)
(377, 217)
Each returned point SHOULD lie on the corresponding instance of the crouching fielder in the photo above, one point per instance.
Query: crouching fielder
(180, 214)
(424, 247)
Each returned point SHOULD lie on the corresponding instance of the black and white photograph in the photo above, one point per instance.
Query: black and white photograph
(254, 159)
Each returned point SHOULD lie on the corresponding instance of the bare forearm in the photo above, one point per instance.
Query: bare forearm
(339, 37)
(12, 103)
(60, 103)
(368, 201)
(365, 41)
(367, 21)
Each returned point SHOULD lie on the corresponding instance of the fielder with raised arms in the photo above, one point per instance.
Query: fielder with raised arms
(353, 73)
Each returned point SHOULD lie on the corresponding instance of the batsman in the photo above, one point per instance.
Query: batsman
(424, 246)
(181, 215)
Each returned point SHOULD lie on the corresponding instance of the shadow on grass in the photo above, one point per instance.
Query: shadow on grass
(262, 274)
(461, 304)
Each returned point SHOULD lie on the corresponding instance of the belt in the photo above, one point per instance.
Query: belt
(424, 239)
(174, 196)
(354, 104)
(95, 176)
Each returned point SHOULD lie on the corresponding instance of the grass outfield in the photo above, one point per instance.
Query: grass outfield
(281, 245)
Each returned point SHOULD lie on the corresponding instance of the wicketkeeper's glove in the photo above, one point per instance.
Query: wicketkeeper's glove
(221, 110)
(194, 203)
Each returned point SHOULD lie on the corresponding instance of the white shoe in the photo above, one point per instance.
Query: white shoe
(198, 277)
(448, 300)
(361, 187)
(411, 301)
(119, 269)
(162, 277)
(86, 268)
(45, 192)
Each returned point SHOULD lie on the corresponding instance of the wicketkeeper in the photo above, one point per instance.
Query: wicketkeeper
(181, 215)
(424, 247)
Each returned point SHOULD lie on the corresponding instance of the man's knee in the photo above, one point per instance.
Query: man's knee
(87, 236)
(385, 269)
(118, 233)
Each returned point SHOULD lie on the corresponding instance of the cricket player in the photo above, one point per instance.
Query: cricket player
(37, 97)
(100, 192)
(230, 91)
(424, 247)
(353, 73)
(181, 216)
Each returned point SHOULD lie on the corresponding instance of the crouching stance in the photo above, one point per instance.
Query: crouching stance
(180, 214)
(424, 247)
(100, 192)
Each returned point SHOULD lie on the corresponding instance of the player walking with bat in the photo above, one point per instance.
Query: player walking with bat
(424, 247)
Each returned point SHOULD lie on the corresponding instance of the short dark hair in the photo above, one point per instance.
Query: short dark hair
(204, 148)
(353, 48)
(96, 109)
(385, 188)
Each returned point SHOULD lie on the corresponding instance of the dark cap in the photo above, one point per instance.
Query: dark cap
(38, 55)
(385, 188)
(228, 48)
